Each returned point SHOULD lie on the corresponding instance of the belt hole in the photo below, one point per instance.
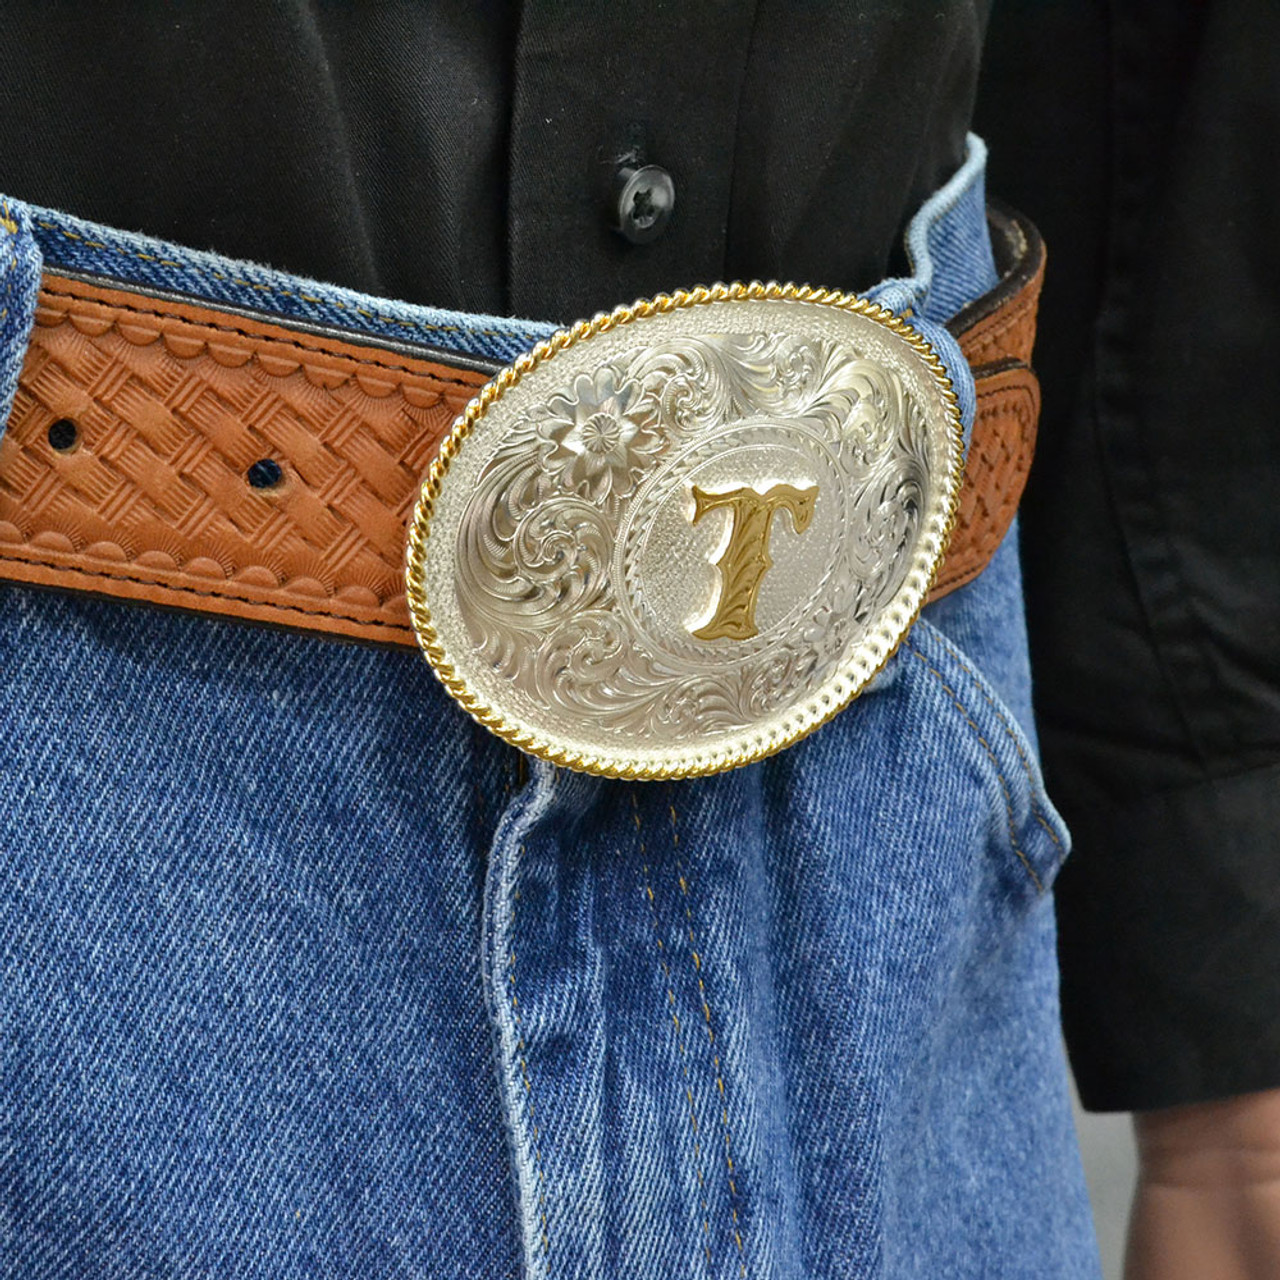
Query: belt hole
(64, 435)
(265, 474)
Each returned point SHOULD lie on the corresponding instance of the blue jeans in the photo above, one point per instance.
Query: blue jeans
(306, 975)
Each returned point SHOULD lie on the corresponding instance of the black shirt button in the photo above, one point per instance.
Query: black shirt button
(646, 197)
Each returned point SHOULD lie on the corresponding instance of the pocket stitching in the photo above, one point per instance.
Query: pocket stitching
(991, 755)
(1036, 812)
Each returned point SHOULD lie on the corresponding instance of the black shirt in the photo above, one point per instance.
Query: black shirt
(1144, 137)
(467, 155)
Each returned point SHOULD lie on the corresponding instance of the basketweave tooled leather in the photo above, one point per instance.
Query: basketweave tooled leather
(174, 403)
(997, 333)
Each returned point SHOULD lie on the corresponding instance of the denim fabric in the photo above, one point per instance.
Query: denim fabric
(19, 284)
(243, 1026)
(798, 1020)
(307, 975)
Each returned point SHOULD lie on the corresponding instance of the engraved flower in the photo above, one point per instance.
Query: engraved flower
(599, 435)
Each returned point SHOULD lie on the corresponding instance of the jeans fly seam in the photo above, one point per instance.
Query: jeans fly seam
(524, 1073)
(712, 1047)
(1013, 738)
(991, 755)
(191, 268)
(678, 1031)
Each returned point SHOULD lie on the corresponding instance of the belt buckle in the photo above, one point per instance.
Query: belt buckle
(678, 537)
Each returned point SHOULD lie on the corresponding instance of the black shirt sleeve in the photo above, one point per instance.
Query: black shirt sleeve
(1144, 139)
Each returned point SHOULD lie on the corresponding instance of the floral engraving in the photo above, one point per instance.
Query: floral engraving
(600, 434)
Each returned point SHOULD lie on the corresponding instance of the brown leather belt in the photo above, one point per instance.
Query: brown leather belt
(171, 452)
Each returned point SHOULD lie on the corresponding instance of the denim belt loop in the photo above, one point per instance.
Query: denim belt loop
(20, 268)
(949, 249)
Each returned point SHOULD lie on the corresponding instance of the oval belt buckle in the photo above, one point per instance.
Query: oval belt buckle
(676, 538)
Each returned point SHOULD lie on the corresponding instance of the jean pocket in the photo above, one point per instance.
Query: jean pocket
(1027, 831)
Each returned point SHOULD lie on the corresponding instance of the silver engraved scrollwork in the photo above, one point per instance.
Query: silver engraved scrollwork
(581, 573)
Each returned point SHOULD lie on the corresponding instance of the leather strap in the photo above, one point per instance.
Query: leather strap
(996, 334)
(173, 404)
